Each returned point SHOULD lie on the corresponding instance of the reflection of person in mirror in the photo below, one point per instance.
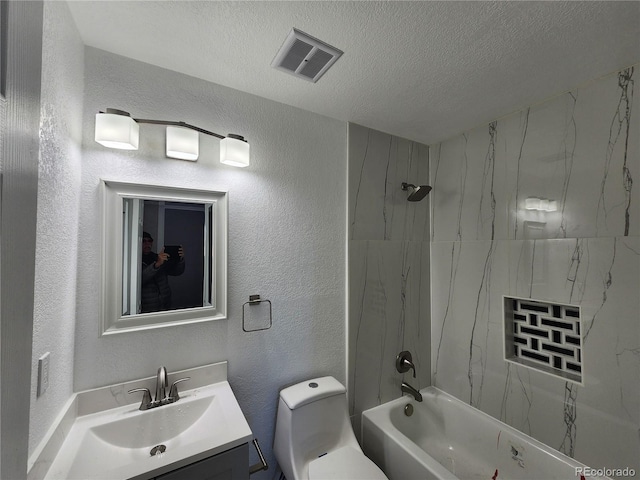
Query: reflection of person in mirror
(156, 292)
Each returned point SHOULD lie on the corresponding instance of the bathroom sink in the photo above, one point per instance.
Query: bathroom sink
(150, 428)
(125, 442)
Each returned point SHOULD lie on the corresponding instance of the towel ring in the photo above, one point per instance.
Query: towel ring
(253, 301)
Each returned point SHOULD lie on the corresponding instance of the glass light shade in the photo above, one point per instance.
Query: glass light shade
(114, 130)
(553, 206)
(544, 205)
(234, 151)
(182, 143)
(532, 203)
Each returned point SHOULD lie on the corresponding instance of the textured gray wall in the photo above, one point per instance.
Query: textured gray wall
(287, 222)
(20, 143)
(59, 172)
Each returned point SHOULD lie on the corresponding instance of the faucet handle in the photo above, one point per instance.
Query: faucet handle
(146, 398)
(173, 392)
(404, 363)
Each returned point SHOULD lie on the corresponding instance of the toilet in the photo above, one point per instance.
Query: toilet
(314, 439)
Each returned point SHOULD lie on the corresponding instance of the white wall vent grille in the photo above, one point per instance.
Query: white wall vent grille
(304, 56)
(544, 336)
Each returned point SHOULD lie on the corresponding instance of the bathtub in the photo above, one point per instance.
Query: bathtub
(446, 438)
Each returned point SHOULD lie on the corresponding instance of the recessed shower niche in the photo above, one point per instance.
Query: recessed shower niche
(544, 336)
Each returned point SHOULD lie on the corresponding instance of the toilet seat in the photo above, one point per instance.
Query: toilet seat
(345, 463)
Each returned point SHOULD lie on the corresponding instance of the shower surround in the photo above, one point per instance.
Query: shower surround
(388, 267)
(581, 149)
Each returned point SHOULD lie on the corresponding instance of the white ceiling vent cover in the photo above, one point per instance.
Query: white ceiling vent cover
(305, 57)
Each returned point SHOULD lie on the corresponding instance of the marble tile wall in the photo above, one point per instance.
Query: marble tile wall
(389, 299)
(581, 149)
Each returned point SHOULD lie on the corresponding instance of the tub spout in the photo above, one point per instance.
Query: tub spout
(406, 388)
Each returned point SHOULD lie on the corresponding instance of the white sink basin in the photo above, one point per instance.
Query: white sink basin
(117, 443)
(153, 427)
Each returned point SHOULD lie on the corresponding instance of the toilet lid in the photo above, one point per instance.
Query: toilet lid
(346, 463)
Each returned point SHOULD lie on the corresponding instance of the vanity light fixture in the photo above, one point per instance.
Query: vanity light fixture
(540, 204)
(117, 129)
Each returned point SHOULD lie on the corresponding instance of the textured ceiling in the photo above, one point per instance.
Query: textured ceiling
(422, 70)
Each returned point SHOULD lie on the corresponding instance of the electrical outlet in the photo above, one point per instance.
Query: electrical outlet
(43, 373)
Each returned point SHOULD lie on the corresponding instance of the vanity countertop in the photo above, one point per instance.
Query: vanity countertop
(105, 436)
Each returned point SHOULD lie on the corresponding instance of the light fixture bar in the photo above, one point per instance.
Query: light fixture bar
(171, 123)
(179, 124)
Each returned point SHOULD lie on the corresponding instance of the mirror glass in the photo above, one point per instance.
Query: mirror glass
(165, 256)
(165, 263)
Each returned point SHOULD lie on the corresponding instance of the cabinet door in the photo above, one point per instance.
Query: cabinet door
(230, 465)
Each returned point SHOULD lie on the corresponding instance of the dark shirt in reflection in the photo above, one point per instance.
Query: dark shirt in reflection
(156, 292)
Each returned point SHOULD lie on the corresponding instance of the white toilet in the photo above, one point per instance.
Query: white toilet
(314, 439)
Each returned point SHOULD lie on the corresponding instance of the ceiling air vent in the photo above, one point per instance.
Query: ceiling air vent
(305, 57)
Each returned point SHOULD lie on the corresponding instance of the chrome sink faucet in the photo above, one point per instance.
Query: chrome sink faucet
(161, 385)
(406, 388)
(161, 391)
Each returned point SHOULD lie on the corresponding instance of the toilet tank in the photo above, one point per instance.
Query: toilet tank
(313, 419)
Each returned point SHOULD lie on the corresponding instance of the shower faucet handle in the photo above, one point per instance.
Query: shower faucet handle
(404, 363)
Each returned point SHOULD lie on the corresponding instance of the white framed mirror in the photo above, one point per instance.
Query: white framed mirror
(164, 256)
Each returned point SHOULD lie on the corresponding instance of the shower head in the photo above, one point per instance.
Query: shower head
(416, 193)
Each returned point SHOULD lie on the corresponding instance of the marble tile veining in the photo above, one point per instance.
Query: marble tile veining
(581, 149)
(388, 267)
(443, 300)
(378, 165)
(618, 146)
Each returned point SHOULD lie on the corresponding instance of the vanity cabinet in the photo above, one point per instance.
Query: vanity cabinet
(230, 465)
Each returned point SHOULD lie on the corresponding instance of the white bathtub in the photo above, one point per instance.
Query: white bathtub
(446, 438)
